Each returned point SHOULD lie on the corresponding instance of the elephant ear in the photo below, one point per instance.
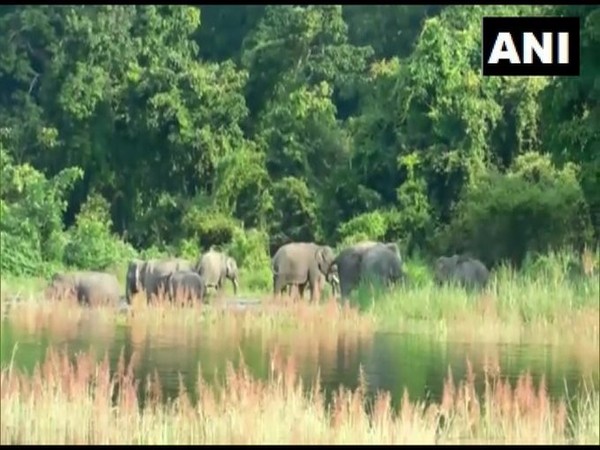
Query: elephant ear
(142, 271)
(393, 247)
(441, 263)
(136, 275)
(321, 257)
(231, 266)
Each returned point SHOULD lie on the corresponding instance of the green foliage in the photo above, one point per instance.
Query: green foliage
(570, 111)
(154, 252)
(31, 208)
(251, 252)
(534, 207)
(369, 226)
(320, 123)
(208, 226)
(91, 245)
(188, 249)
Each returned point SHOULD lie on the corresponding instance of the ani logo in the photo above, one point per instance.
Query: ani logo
(517, 46)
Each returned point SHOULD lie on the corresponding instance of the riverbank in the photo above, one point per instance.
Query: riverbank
(548, 307)
(275, 410)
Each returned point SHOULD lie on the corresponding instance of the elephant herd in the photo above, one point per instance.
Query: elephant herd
(296, 265)
(151, 277)
(301, 264)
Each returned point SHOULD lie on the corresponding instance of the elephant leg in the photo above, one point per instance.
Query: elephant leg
(274, 285)
(301, 288)
(315, 293)
(83, 297)
(171, 292)
(278, 286)
(293, 291)
(313, 282)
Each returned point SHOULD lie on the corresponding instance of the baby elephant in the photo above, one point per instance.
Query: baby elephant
(187, 283)
(467, 272)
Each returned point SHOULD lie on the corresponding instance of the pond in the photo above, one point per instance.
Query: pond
(389, 361)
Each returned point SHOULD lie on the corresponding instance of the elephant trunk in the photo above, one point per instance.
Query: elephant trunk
(234, 281)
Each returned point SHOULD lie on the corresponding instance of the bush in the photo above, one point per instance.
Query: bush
(534, 207)
(250, 250)
(91, 244)
(31, 206)
(152, 252)
(189, 249)
(208, 227)
(369, 226)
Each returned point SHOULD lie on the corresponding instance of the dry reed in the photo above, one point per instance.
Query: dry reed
(79, 402)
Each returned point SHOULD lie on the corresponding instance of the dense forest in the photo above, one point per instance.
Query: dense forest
(174, 128)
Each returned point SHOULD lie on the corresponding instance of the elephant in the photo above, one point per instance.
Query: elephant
(330, 278)
(299, 264)
(148, 275)
(214, 267)
(186, 282)
(382, 262)
(132, 279)
(468, 272)
(90, 287)
(349, 267)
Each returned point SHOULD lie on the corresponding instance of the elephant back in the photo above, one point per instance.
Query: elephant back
(166, 266)
(472, 271)
(381, 261)
(100, 288)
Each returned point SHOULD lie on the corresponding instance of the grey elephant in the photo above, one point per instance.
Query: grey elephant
(467, 272)
(89, 287)
(215, 267)
(352, 269)
(301, 264)
(185, 282)
(148, 276)
(382, 263)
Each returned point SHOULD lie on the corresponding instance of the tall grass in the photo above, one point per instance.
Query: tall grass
(286, 315)
(80, 402)
(547, 301)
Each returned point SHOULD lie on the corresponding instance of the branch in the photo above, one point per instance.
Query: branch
(32, 84)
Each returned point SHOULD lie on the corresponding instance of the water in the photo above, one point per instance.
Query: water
(390, 361)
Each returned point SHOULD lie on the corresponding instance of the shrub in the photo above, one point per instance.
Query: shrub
(91, 244)
(31, 206)
(368, 226)
(250, 250)
(208, 226)
(534, 207)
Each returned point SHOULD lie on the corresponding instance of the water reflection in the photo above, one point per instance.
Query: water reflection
(390, 361)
